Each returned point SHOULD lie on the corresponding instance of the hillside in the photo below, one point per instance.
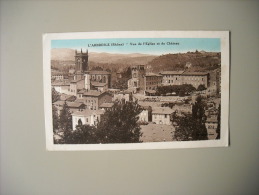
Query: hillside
(63, 59)
(63, 54)
(196, 61)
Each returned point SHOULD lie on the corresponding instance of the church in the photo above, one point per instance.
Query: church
(83, 78)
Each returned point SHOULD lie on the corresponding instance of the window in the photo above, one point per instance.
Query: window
(80, 122)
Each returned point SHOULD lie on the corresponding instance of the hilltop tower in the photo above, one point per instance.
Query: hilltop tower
(81, 63)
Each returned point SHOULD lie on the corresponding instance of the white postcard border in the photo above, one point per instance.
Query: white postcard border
(223, 142)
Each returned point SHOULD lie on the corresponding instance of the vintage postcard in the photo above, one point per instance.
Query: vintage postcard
(136, 90)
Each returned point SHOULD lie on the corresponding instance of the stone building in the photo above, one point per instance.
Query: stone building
(214, 82)
(86, 117)
(161, 115)
(182, 77)
(82, 78)
(123, 96)
(100, 80)
(73, 106)
(152, 81)
(61, 86)
(81, 64)
(211, 125)
(136, 82)
(93, 99)
(58, 76)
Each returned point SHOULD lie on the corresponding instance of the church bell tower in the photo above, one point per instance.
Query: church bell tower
(81, 63)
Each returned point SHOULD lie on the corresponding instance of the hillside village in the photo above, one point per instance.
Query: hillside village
(160, 90)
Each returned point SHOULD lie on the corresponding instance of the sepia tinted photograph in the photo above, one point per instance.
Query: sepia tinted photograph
(136, 90)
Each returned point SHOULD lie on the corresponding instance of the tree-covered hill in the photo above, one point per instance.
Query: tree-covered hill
(195, 61)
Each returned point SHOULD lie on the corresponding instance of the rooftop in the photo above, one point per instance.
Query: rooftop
(195, 73)
(150, 74)
(183, 73)
(58, 74)
(147, 104)
(64, 97)
(98, 72)
(88, 112)
(98, 84)
(162, 110)
(77, 80)
(106, 105)
(69, 104)
(212, 120)
(60, 83)
(172, 72)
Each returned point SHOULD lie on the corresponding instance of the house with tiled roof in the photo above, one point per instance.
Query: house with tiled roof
(161, 115)
(93, 98)
(86, 117)
(61, 86)
(185, 77)
(211, 125)
(73, 106)
(152, 81)
(66, 97)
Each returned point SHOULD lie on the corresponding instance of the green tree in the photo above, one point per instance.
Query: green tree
(84, 134)
(180, 90)
(119, 125)
(201, 88)
(65, 118)
(55, 95)
(190, 127)
(55, 118)
(219, 121)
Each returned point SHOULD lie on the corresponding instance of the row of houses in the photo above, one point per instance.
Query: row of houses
(89, 108)
(148, 82)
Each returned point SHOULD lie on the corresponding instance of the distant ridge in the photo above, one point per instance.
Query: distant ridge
(63, 54)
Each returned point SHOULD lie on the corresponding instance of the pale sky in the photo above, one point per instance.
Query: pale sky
(140, 45)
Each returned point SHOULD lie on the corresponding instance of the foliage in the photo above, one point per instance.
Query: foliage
(190, 127)
(97, 68)
(170, 104)
(198, 110)
(55, 95)
(120, 124)
(55, 118)
(121, 84)
(180, 90)
(201, 88)
(84, 134)
(65, 118)
(219, 121)
(143, 123)
(200, 61)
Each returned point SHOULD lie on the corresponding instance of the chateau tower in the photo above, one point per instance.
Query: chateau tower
(81, 63)
(87, 81)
